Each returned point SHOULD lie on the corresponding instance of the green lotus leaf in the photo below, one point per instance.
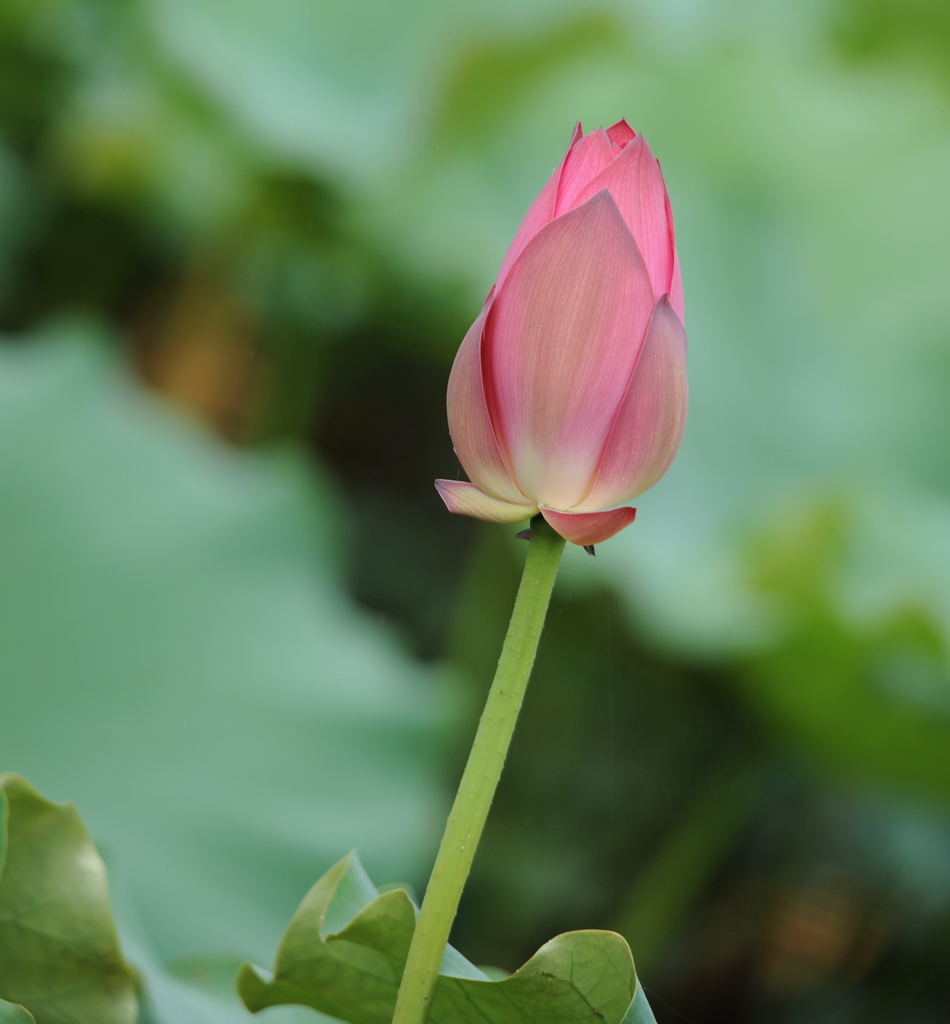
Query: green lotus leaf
(11, 1013)
(344, 951)
(59, 952)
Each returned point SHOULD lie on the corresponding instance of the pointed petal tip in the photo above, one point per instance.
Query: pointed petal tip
(665, 307)
(602, 202)
(640, 142)
(466, 499)
(621, 132)
(588, 528)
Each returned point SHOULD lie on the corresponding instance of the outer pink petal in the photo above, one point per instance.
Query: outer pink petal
(468, 500)
(559, 347)
(649, 426)
(540, 212)
(589, 527)
(584, 161)
(469, 423)
(635, 181)
(676, 287)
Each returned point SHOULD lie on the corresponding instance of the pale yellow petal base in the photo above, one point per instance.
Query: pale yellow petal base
(466, 499)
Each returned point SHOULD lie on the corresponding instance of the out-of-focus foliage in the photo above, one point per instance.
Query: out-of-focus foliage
(59, 952)
(286, 215)
(177, 657)
(345, 950)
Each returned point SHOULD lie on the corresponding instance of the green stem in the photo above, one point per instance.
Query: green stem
(480, 778)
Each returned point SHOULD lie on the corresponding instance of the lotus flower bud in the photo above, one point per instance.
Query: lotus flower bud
(568, 395)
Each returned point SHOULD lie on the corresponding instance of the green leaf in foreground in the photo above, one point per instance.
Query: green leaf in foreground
(13, 1014)
(59, 952)
(344, 950)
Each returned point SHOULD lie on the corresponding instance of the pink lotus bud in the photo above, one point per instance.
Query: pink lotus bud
(568, 394)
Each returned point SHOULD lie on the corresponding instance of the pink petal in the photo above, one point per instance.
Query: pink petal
(468, 500)
(635, 181)
(676, 286)
(621, 133)
(584, 161)
(585, 528)
(649, 425)
(559, 347)
(469, 424)
(540, 212)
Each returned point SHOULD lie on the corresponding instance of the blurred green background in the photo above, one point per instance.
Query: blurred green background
(239, 245)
